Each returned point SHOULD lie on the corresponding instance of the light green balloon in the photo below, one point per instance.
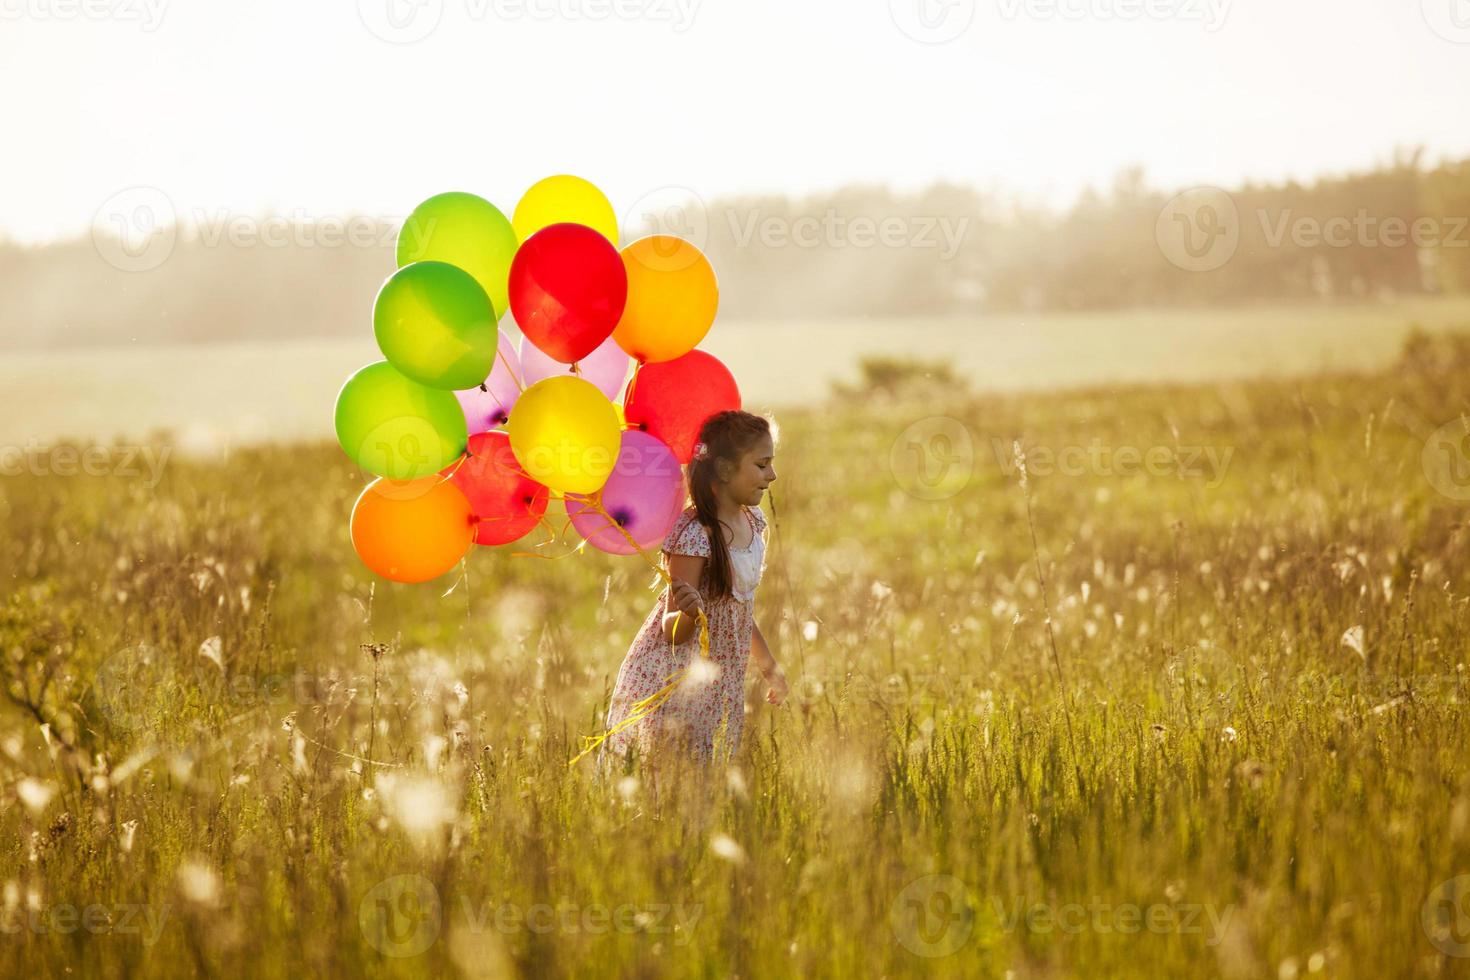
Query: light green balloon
(467, 231)
(393, 426)
(436, 325)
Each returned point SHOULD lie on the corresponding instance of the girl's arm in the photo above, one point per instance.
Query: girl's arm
(760, 651)
(685, 570)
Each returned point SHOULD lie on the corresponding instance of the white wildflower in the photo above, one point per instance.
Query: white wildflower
(35, 794)
(725, 847)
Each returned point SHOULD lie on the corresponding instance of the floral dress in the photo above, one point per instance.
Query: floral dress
(712, 692)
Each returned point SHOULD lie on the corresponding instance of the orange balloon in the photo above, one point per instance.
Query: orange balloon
(672, 298)
(412, 530)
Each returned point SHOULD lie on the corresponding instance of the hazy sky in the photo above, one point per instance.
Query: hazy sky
(302, 106)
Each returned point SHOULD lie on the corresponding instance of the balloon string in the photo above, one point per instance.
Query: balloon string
(643, 708)
(503, 360)
(552, 536)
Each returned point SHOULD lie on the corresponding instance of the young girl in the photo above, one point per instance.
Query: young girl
(715, 554)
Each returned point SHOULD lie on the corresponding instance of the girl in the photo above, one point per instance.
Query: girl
(715, 555)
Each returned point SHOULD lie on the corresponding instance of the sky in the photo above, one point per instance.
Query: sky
(338, 107)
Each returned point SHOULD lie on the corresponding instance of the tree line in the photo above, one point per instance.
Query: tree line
(1401, 229)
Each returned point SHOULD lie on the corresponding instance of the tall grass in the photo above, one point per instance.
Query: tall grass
(219, 724)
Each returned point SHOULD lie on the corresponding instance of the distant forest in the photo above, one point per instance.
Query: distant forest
(859, 251)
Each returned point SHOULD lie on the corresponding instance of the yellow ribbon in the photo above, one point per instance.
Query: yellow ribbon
(643, 708)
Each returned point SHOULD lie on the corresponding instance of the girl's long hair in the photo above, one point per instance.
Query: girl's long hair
(728, 436)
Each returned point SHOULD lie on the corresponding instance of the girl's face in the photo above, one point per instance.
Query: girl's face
(756, 470)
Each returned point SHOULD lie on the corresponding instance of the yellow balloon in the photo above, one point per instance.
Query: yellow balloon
(564, 198)
(672, 298)
(565, 434)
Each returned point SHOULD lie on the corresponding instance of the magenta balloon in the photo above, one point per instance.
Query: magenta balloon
(645, 494)
(606, 367)
(488, 407)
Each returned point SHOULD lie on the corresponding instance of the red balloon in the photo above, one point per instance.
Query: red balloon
(671, 399)
(506, 502)
(568, 287)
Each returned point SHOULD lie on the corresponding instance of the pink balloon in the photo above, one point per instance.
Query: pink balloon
(645, 494)
(488, 406)
(606, 367)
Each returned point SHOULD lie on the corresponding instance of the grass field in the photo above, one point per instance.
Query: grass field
(1212, 723)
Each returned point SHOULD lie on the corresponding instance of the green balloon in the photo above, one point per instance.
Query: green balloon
(436, 325)
(395, 427)
(467, 231)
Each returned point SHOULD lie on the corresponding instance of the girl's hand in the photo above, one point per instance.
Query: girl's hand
(687, 599)
(777, 681)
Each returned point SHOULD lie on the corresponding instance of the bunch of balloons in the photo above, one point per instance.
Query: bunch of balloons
(471, 436)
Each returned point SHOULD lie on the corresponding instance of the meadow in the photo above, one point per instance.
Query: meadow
(1187, 699)
(211, 396)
